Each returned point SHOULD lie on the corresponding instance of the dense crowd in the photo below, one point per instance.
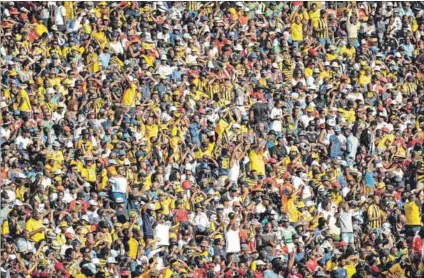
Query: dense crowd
(212, 139)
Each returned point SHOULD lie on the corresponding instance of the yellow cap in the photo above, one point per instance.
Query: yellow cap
(218, 236)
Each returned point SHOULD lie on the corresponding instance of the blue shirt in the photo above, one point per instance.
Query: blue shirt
(369, 179)
(409, 49)
(104, 59)
(335, 146)
(272, 274)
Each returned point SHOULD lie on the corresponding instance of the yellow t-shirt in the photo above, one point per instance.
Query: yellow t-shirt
(199, 154)
(151, 131)
(350, 52)
(101, 38)
(33, 225)
(69, 8)
(364, 79)
(55, 81)
(348, 115)
(128, 98)
(132, 248)
(165, 206)
(257, 162)
(41, 29)
(167, 273)
(89, 173)
(297, 31)
(350, 269)
(57, 156)
(148, 59)
(6, 230)
(23, 99)
(94, 60)
(412, 213)
(314, 15)
(332, 57)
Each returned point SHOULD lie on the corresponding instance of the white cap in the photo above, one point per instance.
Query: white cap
(85, 217)
(331, 122)
(295, 95)
(151, 206)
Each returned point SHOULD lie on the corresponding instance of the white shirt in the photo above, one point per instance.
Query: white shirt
(232, 240)
(200, 220)
(276, 124)
(22, 142)
(117, 47)
(306, 119)
(64, 248)
(59, 14)
(165, 70)
(4, 135)
(161, 232)
(56, 117)
(119, 184)
(93, 216)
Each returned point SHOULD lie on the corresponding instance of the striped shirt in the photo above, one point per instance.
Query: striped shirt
(374, 211)
(287, 72)
(420, 177)
(321, 24)
(193, 5)
(410, 87)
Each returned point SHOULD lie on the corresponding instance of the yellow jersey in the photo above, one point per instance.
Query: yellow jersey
(412, 213)
(32, 225)
(129, 95)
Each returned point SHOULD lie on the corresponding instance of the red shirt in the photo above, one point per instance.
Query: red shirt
(199, 273)
(258, 274)
(417, 245)
(181, 215)
(73, 203)
(312, 264)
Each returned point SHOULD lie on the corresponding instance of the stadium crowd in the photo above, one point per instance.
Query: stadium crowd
(212, 139)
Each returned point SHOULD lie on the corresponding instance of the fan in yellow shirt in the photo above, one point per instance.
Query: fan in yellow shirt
(35, 227)
(24, 104)
(129, 96)
(348, 50)
(365, 77)
(40, 28)
(256, 157)
(296, 29)
(314, 13)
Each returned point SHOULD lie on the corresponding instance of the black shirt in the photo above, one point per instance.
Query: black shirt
(260, 112)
